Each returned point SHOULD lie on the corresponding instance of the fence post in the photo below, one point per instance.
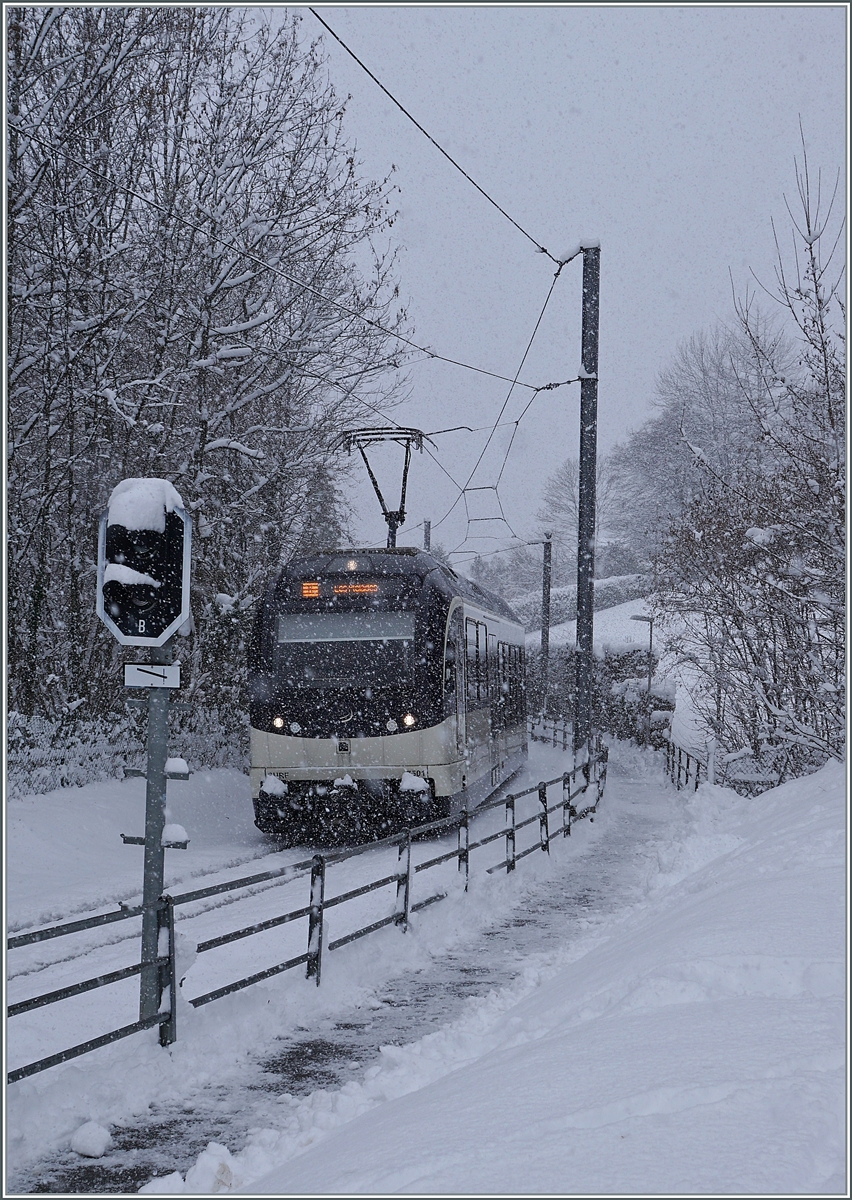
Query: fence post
(697, 774)
(542, 817)
(602, 769)
(403, 885)
(166, 972)
(594, 750)
(566, 804)
(554, 733)
(464, 839)
(679, 761)
(315, 918)
(711, 760)
(510, 834)
(564, 734)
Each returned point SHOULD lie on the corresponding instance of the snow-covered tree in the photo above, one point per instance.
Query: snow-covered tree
(197, 290)
(755, 563)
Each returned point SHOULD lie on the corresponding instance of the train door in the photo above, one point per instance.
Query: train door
(454, 680)
(503, 702)
(494, 707)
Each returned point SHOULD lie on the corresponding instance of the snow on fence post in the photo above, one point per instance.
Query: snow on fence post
(315, 918)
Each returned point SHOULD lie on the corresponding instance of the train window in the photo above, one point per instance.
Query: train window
(504, 670)
(363, 626)
(493, 681)
(472, 633)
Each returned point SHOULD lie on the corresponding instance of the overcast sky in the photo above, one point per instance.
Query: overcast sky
(668, 133)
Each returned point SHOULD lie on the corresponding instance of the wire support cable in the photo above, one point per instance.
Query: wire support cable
(496, 424)
(260, 262)
(541, 249)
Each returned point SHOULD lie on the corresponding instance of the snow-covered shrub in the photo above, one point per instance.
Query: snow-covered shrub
(620, 703)
(755, 563)
(44, 754)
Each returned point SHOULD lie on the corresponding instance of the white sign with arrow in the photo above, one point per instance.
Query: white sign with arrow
(148, 675)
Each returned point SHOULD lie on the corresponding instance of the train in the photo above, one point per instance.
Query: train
(385, 691)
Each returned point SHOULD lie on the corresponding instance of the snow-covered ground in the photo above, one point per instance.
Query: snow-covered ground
(613, 629)
(687, 1035)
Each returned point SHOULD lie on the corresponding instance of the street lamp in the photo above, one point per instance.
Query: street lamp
(650, 623)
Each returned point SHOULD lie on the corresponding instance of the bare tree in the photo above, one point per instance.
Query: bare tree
(755, 564)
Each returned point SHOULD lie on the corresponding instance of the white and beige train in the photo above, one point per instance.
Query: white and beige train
(385, 690)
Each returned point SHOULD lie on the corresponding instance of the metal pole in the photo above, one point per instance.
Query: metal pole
(586, 515)
(463, 853)
(510, 834)
(155, 820)
(543, 835)
(427, 535)
(545, 618)
(403, 883)
(315, 918)
(650, 668)
(167, 981)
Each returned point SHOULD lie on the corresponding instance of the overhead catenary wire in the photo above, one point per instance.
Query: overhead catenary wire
(496, 423)
(541, 249)
(426, 351)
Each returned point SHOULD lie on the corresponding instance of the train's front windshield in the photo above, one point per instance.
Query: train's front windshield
(333, 649)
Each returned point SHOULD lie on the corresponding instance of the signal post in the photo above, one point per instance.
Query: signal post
(144, 556)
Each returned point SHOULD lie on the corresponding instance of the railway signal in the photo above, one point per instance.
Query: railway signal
(143, 563)
(144, 547)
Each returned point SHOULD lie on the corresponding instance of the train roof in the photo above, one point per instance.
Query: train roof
(403, 560)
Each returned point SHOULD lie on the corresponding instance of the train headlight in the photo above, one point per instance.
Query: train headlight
(278, 722)
(391, 726)
(408, 720)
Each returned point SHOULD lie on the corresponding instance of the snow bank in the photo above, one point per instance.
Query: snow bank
(91, 1140)
(614, 629)
(143, 503)
(55, 839)
(618, 589)
(412, 783)
(690, 1043)
(696, 1046)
